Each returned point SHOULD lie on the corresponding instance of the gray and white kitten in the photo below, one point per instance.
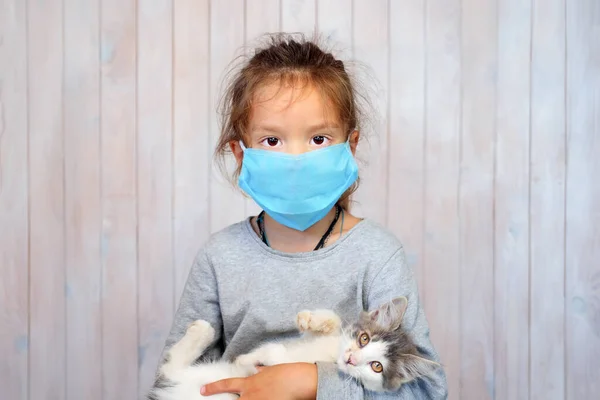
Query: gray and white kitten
(375, 351)
(379, 353)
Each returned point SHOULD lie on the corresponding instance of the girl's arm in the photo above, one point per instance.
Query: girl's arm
(199, 301)
(395, 278)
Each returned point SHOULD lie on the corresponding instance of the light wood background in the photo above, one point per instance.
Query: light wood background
(486, 165)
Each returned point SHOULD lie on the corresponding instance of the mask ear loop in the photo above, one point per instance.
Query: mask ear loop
(242, 144)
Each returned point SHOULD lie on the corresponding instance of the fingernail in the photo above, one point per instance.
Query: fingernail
(203, 390)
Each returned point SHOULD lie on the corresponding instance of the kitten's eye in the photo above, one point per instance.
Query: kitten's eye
(319, 140)
(377, 367)
(271, 141)
(363, 340)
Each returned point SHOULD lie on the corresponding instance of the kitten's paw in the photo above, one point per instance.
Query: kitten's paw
(200, 330)
(197, 337)
(303, 320)
(318, 321)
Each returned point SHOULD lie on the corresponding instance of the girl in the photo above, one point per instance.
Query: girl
(292, 122)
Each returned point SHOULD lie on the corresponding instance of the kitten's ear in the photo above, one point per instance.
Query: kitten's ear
(414, 367)
(401, 303)
(389, 315)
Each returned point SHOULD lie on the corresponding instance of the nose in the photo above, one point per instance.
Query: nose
(297, 149)
(351, 360)
(297, 146)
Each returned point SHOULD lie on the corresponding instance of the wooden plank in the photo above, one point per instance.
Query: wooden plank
(371, 47)
(441, 225)
(547, 200)
(407, 130)
(299, 16)
(227, 205)
(582, 346)
(82, 198)
(476, 198)
(190, 120)
(155, 166)
(119, 217)
(511, 254)
(334, 21)
(46, 188)
(547, 208)
(14, 259)
(262, 17)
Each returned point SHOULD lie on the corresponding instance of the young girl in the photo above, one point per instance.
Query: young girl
(292, 122)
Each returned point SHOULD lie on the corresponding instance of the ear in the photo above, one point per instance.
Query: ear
(401, 303)
(389, 315)
(353, 140)
(237, 151)
(414, 367)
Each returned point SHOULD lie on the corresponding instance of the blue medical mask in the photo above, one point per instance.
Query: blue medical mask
(298, 190)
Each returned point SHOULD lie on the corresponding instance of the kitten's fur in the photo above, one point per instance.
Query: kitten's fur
(322, 340)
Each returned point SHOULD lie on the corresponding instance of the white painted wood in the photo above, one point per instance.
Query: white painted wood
(511, 245)
(476, 197)
(484, 165)
(227, 205)
(334, 24)
(299, 16)
(82, 198)
(547, 207)
(261, 17)
(118, 254)
(14, 258)
(47, 344)
(441, 267)
(370, 46)
(154, 183)
(191, 150)
(406, 190)
(582, 269)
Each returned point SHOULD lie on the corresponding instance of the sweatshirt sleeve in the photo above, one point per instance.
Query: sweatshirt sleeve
(199, 300)
(394, 279)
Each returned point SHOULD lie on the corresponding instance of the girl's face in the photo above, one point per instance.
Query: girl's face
(292, 120)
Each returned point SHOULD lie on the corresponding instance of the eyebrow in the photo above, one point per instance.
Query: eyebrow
(278, 129)
(267, 128)
(323, 125)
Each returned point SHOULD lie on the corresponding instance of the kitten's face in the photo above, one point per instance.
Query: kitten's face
(364, 357)
(379, 353)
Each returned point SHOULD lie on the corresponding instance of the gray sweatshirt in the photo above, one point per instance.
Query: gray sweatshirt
(251, 293)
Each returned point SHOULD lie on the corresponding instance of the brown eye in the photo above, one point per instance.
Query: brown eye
(363, 340)
(319, 140)
(377, 367)
(272, 141)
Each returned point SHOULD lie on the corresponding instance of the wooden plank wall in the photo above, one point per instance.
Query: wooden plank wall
(485, 163)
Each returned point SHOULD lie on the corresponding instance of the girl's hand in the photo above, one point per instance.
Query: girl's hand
(280, 382)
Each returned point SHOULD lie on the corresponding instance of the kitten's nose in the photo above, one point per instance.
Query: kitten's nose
(351, 360)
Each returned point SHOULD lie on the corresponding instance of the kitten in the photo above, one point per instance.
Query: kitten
(375, 351)
(379, 353)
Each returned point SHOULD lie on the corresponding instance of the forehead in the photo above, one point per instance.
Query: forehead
(367, 324)
(376, 350)
(297, 102)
